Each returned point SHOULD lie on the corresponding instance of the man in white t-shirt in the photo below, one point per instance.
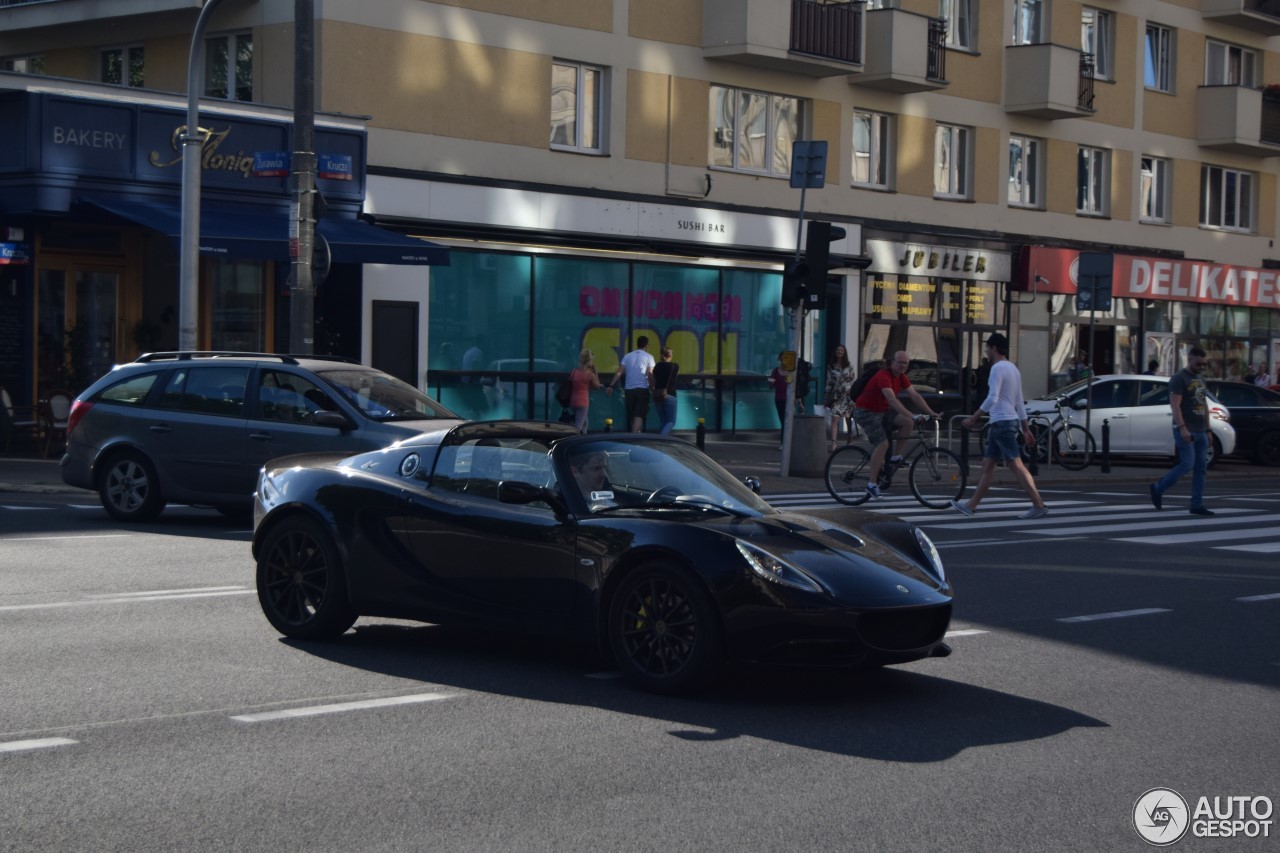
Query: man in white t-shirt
(636, 373)
(1008, 414)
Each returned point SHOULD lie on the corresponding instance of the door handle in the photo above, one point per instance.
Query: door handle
(161, 428)
(261, 436)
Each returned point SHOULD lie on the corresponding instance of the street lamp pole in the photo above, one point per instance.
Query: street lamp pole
(302, 224)
(192, 147)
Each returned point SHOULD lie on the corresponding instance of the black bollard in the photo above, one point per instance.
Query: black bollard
(964, 446)
(1105, 465)
(702, 434)
(608, 424)
(1033, 455)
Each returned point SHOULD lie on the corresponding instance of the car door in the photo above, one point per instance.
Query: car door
(1153, 419)
(196, 433)
(509, 563)
(281, 420)
(1111, 403)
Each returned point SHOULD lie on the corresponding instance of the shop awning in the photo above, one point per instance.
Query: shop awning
(235, 231)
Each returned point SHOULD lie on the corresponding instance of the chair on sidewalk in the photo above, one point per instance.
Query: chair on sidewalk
(18, 420)
(57, 409)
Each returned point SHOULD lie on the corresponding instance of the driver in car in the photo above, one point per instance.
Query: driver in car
(591, 473)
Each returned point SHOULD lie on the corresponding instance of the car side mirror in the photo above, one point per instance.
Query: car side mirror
(752, 483)
(1081, 405)
(331, 419)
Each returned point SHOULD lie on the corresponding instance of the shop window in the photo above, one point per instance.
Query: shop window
(228, 67)
(1025, 171)
(952, 162)
(122, 66)
(577, 107)
(238, 303)
(1226, 198)
(872, 145)
(1160, 61)
(753, 131)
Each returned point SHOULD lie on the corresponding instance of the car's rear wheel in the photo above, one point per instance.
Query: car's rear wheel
(663, 629)
(1268, 450)
(301, 583)
(129, 487)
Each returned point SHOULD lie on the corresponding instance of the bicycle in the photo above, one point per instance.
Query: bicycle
(936, 475)
(1059, 440)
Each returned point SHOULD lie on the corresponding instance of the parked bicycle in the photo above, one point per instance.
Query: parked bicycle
(1056, 439)
(935, 474)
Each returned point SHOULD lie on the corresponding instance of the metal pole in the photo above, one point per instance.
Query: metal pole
(192, 146)
(302, 226)
(789, 421)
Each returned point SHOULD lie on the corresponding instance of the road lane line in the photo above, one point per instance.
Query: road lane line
(40, 743)
(1264, 548)
(1210, 536)
(1271, 596)
(341, 707)
(62, 538)
(966, 632)
(154, 592)
(87, 602)
(1118, 614)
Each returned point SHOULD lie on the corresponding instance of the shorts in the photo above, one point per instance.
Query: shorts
(877, 425)
(637, 401)
(1002, 440)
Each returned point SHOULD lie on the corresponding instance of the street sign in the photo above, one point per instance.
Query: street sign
(1093, 281)
(808, 163)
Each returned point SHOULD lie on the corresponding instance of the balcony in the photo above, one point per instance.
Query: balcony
(1259, 16)
(1048, 81)
(19, 15)
(906, 53)
(1238, 120)
(794, 36)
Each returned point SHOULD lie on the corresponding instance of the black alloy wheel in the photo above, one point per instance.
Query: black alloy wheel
(301, 585)
(129, 488)
(663, 629)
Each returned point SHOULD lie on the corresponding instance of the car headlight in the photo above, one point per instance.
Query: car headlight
(931, 554)
(774, 570)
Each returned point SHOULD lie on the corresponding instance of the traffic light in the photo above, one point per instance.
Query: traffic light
(817, 256)
(793, 280)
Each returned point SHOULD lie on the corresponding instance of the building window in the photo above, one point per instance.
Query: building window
(1028, 21)
(1097, 32)
(872, 144)
(1153, 189)
(23, 64)
(577, 96)
(1230, 65)
(1024, 171)
(1093, 179)
(122, 66)
(1226, 198)
(753, 131)
(951, 159)
(1159, 58)
(228, 67)
(961, 22)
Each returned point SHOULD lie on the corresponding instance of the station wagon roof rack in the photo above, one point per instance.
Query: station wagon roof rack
(187, 355)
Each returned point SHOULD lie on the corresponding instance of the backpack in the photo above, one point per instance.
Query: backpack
(859, 384)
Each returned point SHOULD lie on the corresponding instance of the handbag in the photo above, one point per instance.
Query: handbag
(564, 391)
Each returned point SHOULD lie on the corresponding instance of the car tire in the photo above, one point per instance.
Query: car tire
(664, 630)
(301, 582)
(1267, 451)
(129, 488)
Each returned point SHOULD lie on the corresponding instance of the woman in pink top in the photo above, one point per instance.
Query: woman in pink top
(585, 379)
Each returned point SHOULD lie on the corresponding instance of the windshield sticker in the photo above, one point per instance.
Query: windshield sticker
(601, 496)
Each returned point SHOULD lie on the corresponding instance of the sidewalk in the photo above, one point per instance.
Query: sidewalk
(756, 454)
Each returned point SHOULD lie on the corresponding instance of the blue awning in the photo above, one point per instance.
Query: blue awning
(252, 233)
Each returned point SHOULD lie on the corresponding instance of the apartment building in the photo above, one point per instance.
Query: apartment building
(602, 169)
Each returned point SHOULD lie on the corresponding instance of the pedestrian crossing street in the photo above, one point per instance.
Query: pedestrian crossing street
(1243, 523)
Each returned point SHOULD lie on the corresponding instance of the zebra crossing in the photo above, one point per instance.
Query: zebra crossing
(1244, 524)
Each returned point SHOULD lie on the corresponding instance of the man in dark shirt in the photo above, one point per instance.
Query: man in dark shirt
(1190, 433)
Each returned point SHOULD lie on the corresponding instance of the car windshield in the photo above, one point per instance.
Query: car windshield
(382, 397)
(637, 475)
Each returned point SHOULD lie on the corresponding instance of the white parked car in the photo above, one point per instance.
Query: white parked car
(1137, 410)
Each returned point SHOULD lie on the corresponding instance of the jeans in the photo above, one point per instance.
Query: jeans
(667, 414)
(580, 417)
(1193, 456)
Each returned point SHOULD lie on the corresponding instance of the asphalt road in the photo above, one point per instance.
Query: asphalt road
(147, 705)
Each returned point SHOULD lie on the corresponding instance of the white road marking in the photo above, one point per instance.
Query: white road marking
(155, 592)
(1271, 596)
(341, 707)
(41, 743)
(21, 508)
(1263, 548)
(966, 632)
(124, 599)
(604, 676)
(1119, 614)
(1208, 536)
(66, 538)
(1223, 517)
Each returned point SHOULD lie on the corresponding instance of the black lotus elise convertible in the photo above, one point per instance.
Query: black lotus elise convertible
(640, 546)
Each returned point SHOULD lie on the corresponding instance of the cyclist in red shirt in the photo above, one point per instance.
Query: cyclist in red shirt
(881, 414)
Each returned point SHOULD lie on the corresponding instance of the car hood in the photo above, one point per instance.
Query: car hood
(876, 561)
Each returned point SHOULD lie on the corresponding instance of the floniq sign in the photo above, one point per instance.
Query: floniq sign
(1139, 277)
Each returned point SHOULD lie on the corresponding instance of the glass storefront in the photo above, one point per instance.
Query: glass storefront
(505, 327)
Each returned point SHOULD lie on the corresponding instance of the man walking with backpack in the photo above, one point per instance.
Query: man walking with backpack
(883, 417)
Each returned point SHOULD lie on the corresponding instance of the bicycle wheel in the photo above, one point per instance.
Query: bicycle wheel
(1073, 447)
(847, 475)
(937, 478)
(1040, 445)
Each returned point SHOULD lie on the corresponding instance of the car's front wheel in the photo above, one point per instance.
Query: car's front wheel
(663, 629)
(301, 583)
(129, 487)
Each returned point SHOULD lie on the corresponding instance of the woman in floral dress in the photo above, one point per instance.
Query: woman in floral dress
(840, 377)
